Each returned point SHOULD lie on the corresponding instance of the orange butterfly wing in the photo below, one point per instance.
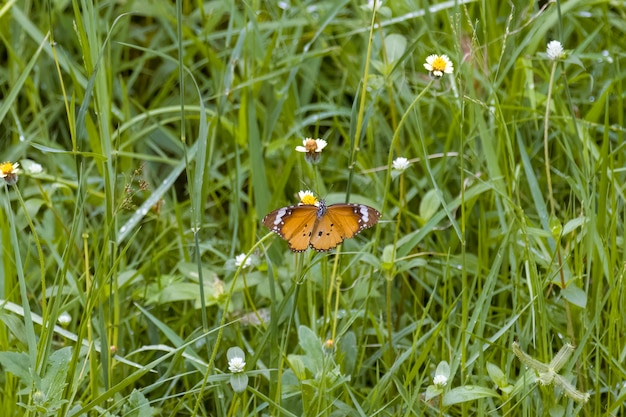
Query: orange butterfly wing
(294, 224)
(323, 227)
(339, 222)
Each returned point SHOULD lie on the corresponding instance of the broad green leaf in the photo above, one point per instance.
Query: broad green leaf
(190, 270)
(138, 405)
(18, 364)
(411, 264)
(347, 352)
(387, 258)
(183, 291)
(429, 205)
(395, 45)
(311, 345)
(467, 393)
(443, 369)
(556, 227)
(239, 382)
(33, 205)
(556, 411)
(290, 382)
(496, 375)
(235, 352)
(297, 366)
(431, 392)
(575, 295)
(53, 382)
(574, 224)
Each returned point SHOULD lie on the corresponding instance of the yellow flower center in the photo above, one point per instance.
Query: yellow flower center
(308, 200)
(6, 168)
(439, 64)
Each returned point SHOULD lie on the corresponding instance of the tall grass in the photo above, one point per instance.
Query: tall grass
(493, 284)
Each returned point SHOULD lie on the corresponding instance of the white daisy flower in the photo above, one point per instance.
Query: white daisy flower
(438, 65)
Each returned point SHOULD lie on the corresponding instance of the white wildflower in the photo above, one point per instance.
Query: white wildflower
(555, 50)
(400, 163)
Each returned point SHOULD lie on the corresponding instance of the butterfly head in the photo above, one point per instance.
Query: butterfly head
(321, 209)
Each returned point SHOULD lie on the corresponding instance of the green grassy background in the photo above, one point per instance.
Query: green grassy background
(166, 131)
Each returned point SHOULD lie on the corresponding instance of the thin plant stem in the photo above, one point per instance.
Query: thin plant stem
(546, 149)
(29, 328)
(546, 154)
(391, 273)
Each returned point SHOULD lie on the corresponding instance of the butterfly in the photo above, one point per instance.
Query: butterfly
(321, 227)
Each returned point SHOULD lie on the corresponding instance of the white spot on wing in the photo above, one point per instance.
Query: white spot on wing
(279, 216)
(364, 214)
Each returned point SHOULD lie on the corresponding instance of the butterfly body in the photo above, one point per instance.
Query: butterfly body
(320, 227)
